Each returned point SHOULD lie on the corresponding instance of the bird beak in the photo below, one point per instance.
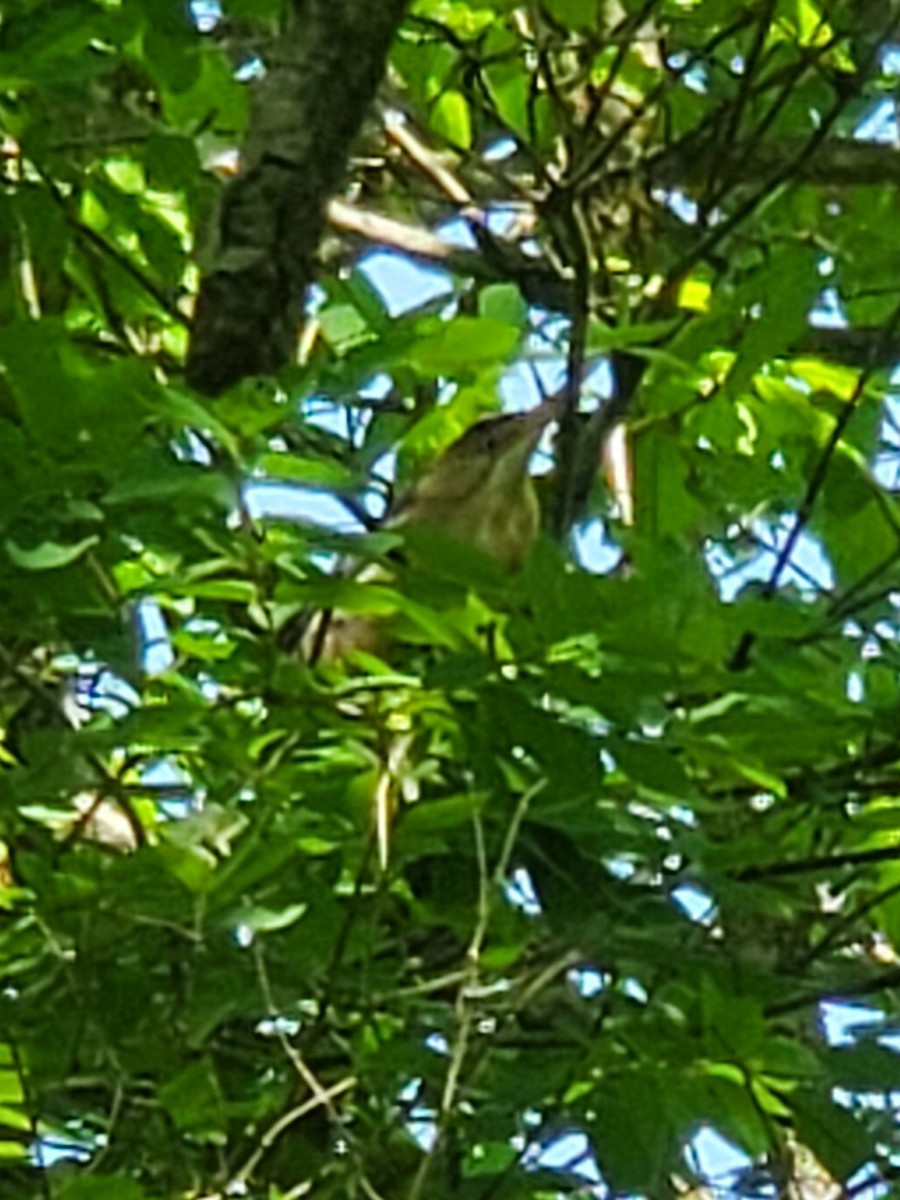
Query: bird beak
(543, 414)
(531, 424)
(520, 435)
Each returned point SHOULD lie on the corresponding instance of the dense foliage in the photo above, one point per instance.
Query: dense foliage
(646, 831)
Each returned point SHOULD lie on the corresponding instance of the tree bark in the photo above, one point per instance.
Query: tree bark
(320, 79)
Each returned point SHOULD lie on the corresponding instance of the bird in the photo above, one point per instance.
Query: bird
(479, 492)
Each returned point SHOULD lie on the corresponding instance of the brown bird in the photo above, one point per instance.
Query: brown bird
(479, 491)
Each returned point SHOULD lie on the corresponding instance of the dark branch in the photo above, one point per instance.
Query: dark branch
(321, 78)
(823, 863)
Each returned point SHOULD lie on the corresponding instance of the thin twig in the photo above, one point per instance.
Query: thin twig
(741, 656)
(284, 1122)
(786, 173)
(629, 26)
(112, 252)
(291, 1053)
(115, 1109)
(847, 921)
(488, 886)
(399, 131)
(586, 170)
(811, 866)
(752, 62)
(866, 987)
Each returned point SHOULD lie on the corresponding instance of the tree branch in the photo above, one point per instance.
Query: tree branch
(321, 78)
(838, 162)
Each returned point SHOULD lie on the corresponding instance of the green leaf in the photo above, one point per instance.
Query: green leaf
(633, 1134)
(344, 326)
(464, 343)
(241, 591)
(653, 767)
(48, 556)
(436, 816)
(193, 1098)
(857, 541)
(840, 381)
(213, 90)
(573, 13)
(267, 920)
(313, 472)
(503, 302)
(603, 337)
(451, 119)
(11, 1091)
(151, 477)
(102, 1187)
(838, 1139)
(865, 1067)
(779, 297)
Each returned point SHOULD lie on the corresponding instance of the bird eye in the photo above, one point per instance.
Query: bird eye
(490, 433)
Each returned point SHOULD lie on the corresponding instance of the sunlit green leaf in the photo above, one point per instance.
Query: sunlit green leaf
(464, 343)
(48, 556)
(450, 118)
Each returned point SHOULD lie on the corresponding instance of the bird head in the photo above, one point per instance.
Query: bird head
(479, 490)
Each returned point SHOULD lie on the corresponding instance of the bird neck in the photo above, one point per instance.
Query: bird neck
(502, 523)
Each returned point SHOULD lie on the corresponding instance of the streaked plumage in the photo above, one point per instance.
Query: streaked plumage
(478, 491)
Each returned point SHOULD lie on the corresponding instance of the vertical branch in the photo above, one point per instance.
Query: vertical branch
(321, 78)
(741, 656)
(488, 885)
(563, 508)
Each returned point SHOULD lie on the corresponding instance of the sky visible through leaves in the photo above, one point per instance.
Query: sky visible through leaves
(637, 926)
(406, 285)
